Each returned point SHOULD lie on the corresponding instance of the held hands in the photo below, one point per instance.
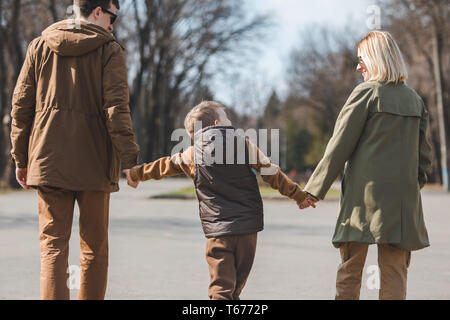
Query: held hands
(131, 183)
(310, 201)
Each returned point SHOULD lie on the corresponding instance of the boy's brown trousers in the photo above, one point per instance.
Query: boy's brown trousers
(230, 259)
(55, 224)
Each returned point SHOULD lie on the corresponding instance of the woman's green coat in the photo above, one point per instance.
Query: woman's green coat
(380, 138)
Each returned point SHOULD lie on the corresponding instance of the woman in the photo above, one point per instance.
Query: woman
(380, 137)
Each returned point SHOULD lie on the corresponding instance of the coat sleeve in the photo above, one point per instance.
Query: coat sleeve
(23, 109)
(273, 175)
(424, 150)
(180, 163)
(347, 131)
(116, 98)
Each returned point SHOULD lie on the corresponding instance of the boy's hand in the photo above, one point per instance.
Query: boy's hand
(131, 183)
(308, 202)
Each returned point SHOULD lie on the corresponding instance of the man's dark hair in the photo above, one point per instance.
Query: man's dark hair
(87, 6)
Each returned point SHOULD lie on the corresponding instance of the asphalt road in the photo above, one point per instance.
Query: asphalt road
(157, 249)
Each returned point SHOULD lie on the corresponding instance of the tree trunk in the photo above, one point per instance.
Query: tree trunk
(437, 51)
(53, 11)
(16, 56)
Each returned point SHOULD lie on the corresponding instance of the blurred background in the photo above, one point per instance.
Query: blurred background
(287, 65)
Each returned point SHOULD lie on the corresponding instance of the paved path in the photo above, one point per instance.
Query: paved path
(157, 249)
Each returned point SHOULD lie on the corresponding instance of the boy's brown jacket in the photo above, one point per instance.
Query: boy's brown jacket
(71, 123)
(183, 163)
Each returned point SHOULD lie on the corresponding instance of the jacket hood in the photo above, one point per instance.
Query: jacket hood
(66, 39)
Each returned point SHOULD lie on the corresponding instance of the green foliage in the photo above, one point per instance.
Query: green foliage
(298, 143)
(318, 143)
(273, 106)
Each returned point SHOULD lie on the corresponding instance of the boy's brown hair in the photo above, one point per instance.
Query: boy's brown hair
(206, 112)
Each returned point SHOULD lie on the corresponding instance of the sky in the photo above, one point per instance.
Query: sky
(267, 67)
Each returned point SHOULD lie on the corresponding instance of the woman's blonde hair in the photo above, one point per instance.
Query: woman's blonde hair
(205, 112)
(382, 57)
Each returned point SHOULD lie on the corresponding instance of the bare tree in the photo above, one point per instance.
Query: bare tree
(423, 30)
(11, 59)
(20, 22)
(322, 73)
(170, 44)
(3, 89)
(53, 10)
(173, 43)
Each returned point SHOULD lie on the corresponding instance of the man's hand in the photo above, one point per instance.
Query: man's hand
(21, 177)
(131, 183)
(308, 202)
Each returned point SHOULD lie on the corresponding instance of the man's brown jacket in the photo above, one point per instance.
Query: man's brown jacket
(71, 124)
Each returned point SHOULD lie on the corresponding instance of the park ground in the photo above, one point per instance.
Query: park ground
(157, 249)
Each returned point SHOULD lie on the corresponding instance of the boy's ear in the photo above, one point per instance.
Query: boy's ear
(216, 122)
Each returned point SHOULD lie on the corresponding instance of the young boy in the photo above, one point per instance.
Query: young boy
(230, 204)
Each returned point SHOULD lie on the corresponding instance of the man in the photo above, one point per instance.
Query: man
(71, 129)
